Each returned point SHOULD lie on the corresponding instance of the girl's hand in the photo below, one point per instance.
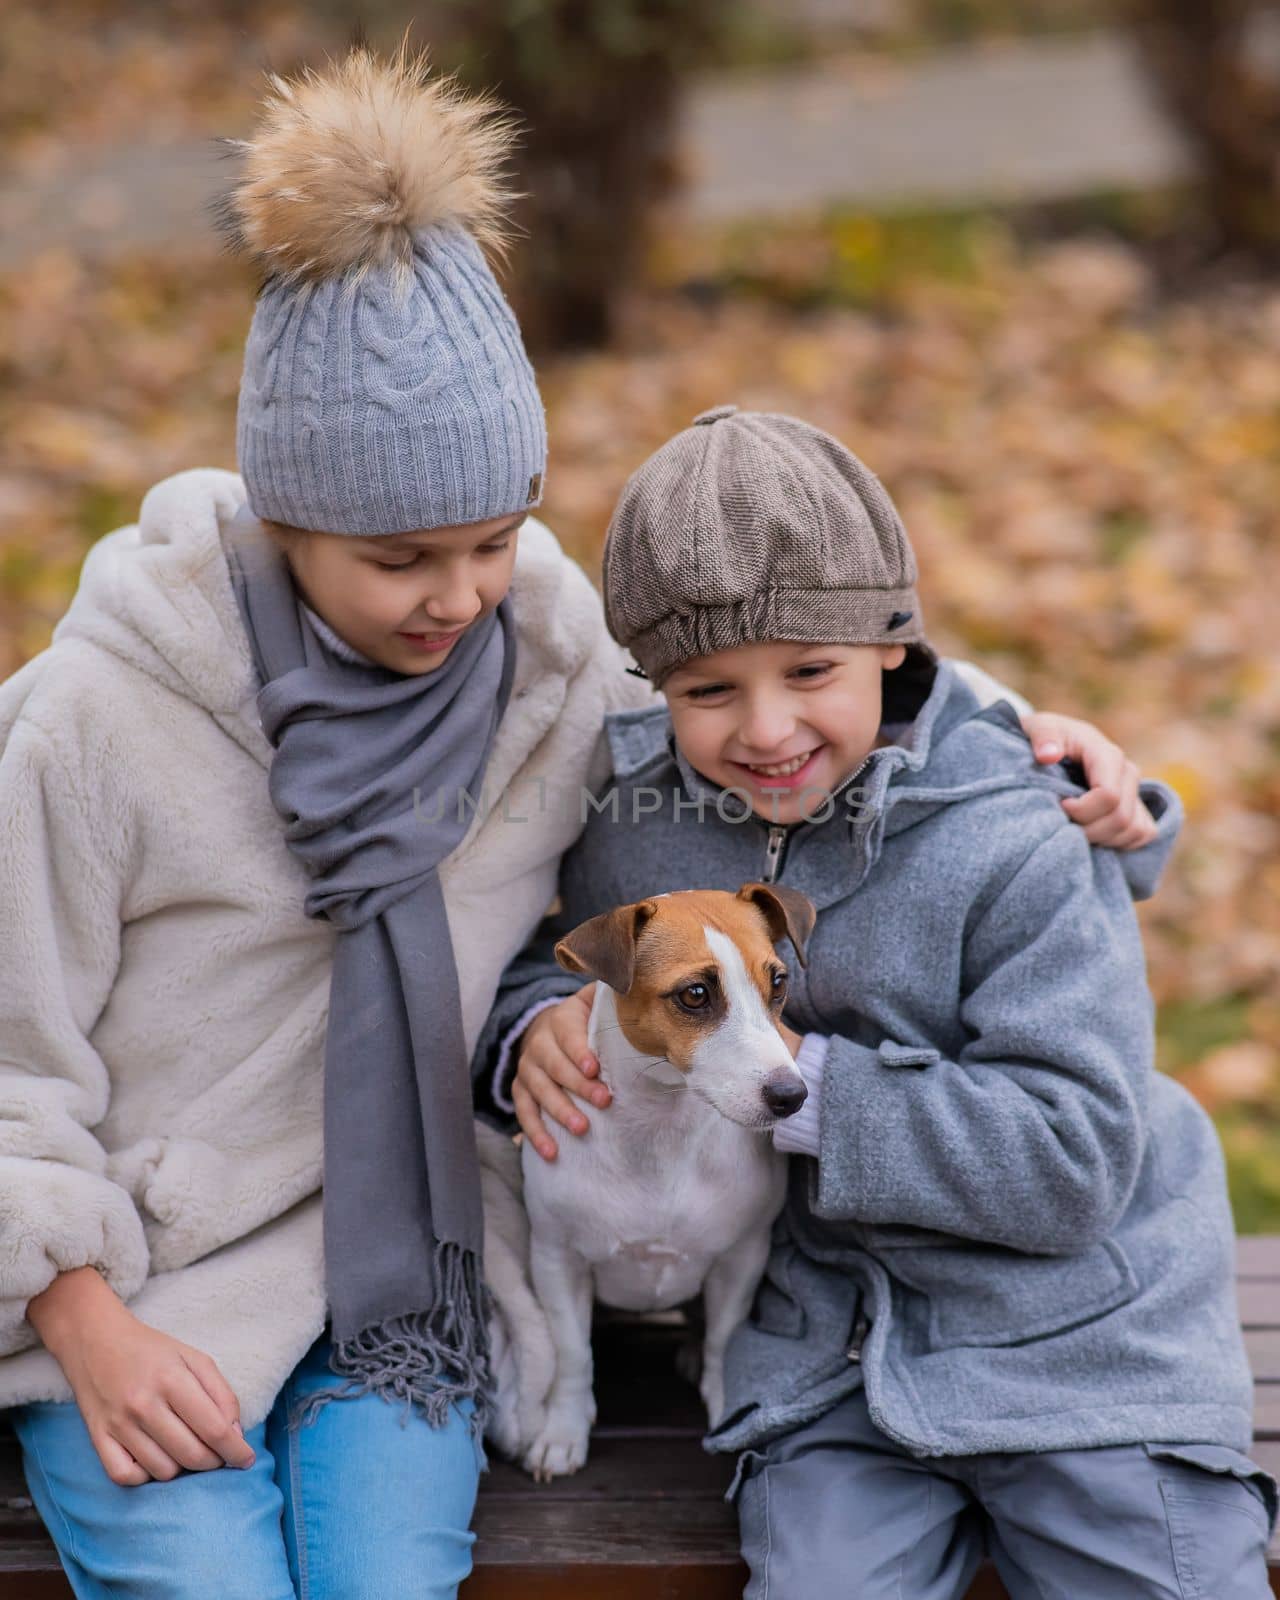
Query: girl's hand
(554, 1058)
(1112, 812)
(152, 1405)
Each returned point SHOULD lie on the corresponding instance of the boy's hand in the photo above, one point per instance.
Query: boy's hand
(1112, 812)
(152, 1406)
(554, 1058)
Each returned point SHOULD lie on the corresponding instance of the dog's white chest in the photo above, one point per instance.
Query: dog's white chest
(651, 1245)
(651, 1216)
(645, 1276)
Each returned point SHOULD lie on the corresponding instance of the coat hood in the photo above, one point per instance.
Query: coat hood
(157, 593)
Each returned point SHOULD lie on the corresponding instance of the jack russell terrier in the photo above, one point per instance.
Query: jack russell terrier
(675, 1189)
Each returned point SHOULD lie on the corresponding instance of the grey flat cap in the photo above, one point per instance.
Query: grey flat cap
(751, 526)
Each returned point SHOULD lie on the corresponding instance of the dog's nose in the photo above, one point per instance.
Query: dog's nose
(784, 1093)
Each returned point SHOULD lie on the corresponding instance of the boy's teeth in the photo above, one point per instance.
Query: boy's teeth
(783, 769)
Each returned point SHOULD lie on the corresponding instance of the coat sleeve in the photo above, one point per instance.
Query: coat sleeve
(60, 936)
(1032, 1135)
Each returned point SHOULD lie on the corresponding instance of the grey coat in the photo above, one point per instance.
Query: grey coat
(1016, 1233)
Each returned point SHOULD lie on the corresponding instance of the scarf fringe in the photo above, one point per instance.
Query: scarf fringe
(428, 1360)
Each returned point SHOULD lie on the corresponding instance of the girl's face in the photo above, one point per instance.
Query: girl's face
(784, 723)
(404, 599)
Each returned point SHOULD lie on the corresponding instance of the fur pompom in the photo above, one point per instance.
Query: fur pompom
(346, 165)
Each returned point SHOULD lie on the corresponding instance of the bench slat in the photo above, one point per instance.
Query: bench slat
(690, 1581)
(1263, 1346)
(1266, 1412)
(1259, 1300)
(516, 1530)
(622, 1468)
(1258, 1255)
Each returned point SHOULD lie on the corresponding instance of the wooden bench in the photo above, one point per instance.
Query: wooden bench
(646, 1519)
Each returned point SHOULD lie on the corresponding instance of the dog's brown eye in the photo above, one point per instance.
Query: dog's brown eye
(695, 997)
(779, 985)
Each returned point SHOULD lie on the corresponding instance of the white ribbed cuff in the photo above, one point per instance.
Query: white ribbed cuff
(498, 1088)
(798, 1133)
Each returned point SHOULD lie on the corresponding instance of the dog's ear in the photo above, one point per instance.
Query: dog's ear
(604, 947)
(789, 913)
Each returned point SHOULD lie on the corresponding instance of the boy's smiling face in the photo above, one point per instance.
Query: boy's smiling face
(785, 723)
(404, 600)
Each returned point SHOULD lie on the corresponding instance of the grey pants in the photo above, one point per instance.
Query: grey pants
(838, 1510)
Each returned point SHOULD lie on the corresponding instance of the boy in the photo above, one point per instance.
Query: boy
(999, 1311)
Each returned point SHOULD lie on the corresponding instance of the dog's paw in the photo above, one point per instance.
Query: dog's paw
(560, 1449)
(533, 1421)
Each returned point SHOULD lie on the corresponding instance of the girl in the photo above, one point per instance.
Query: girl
(236, 955)
(209, 788)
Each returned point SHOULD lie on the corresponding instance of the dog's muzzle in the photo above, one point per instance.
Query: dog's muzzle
(784, 1093)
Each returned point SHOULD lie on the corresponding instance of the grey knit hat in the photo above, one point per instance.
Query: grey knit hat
(385, 386)
(750, 526)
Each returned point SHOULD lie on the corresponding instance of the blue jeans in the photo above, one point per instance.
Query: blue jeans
(352, 1506)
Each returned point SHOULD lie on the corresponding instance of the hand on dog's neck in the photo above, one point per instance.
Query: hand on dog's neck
(622, 1066)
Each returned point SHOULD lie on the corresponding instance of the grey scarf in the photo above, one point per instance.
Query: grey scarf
(375, 773)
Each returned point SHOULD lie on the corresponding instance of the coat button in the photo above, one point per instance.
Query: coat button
(716, 414)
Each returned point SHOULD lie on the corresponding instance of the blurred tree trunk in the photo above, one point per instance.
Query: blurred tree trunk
(1198, 53)
(597, 85)
(596, 156)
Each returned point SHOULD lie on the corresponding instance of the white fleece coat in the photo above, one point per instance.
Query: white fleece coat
(163, 996)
